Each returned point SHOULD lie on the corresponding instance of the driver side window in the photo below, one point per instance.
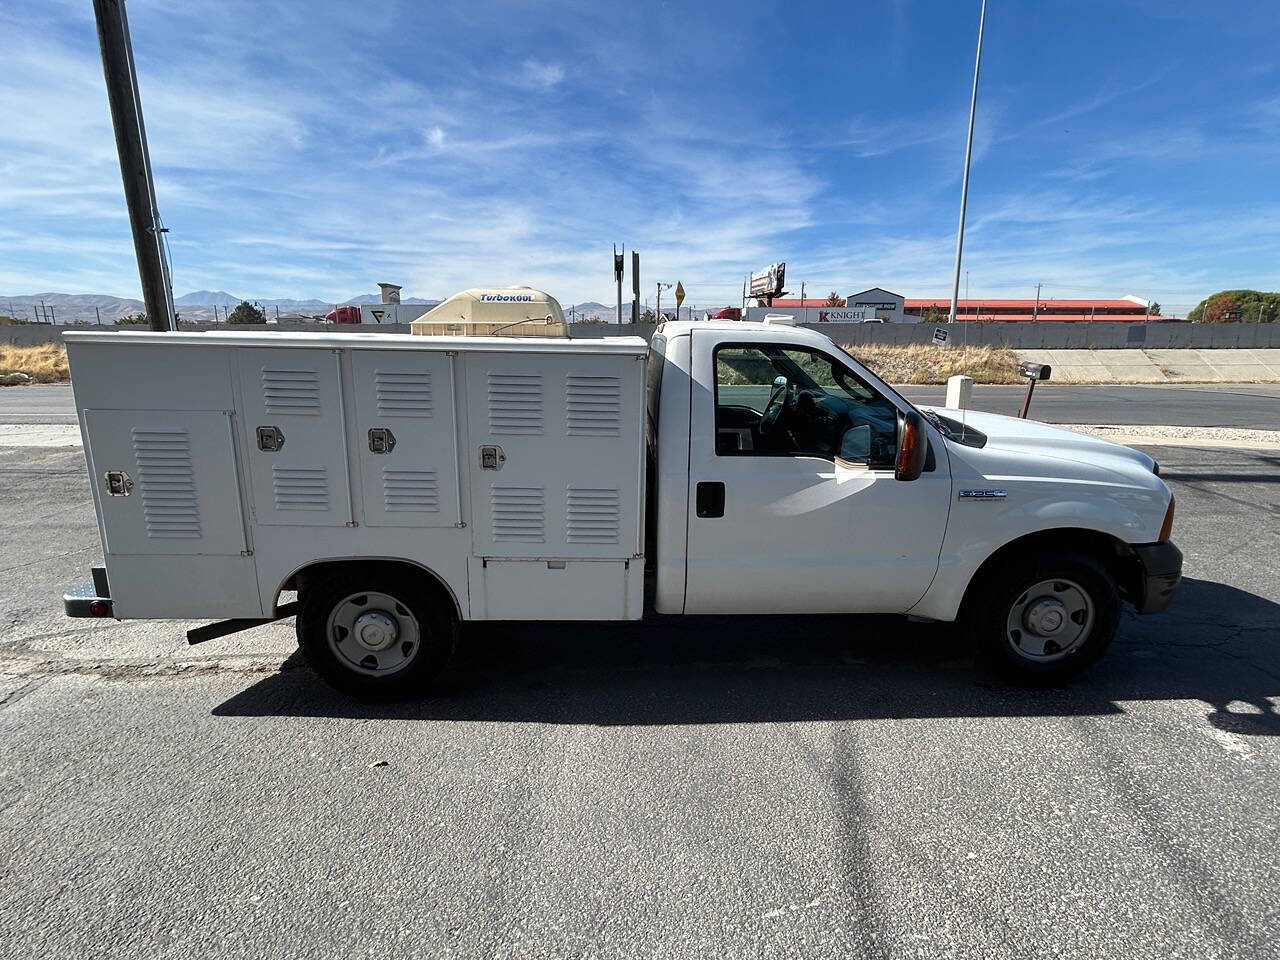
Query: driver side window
(774, 400)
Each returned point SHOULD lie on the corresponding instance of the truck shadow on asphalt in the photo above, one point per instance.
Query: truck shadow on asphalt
(1217, 644)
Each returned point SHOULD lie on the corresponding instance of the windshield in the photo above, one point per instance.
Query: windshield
(949, 428)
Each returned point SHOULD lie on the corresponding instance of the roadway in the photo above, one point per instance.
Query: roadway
(1205, 405)
(771, 787)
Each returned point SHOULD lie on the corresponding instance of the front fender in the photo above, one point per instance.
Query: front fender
(979, 528)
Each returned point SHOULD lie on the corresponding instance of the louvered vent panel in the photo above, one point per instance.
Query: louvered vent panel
(300, 488)
(518, 513)
(291, 391)
(403, 393)
(593, 406)
(167, 483)
(410, 491)
(515, 404)
(592, 514)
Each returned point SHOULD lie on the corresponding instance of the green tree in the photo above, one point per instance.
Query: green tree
(132, 320)
(1153, 308)
(934, 315)
(834, 299)
(1250, 306)
(247, 312)
(647, 316)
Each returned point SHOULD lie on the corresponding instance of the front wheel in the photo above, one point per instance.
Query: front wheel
(376, 634)
(1044, 618)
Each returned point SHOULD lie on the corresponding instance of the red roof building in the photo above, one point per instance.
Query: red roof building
(1124, 310)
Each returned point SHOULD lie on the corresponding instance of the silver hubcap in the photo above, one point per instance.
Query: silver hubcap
(1049, 620)
(373, 633)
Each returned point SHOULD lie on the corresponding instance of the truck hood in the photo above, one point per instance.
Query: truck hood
(1036, 441)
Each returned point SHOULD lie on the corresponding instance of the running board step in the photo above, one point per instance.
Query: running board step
(224, 628)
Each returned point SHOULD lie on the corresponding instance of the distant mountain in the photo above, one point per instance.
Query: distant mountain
(200, 306)
(207, 298)
(377, 298)
(69, 307)
(594, 309)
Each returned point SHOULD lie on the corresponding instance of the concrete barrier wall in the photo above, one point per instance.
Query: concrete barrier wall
(1064, 336)
(1019, 336)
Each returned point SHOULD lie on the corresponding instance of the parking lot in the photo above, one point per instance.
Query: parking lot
(702, 787)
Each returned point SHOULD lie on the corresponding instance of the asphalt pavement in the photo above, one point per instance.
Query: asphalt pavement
(1205, 405)
(1255, 406)
(710, 787)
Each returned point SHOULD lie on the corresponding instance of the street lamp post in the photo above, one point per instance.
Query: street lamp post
(968, 154)
(658, 309)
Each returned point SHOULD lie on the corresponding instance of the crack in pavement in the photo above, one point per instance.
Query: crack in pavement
(39, 670)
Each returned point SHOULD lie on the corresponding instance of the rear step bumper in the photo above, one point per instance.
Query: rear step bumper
(91, 599)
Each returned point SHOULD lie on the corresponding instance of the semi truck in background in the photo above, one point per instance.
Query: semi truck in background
(344, 314)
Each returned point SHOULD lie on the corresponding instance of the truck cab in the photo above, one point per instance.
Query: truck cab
(787, 455)
(402, 485)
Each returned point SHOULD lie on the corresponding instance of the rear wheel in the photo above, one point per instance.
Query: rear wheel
(1044, 618)
(374, 633)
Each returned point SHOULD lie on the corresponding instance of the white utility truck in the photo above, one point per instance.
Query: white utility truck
(403, 484)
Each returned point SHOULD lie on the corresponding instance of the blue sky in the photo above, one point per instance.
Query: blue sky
(313, 149)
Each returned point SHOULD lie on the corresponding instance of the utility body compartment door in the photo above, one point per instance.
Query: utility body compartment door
(295, 396)
(166, 482)
(556, 454)
(406, 427)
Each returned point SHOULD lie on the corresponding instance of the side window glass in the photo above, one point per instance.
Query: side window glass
(793, 401)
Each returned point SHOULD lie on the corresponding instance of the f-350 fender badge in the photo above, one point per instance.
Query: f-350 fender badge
(991, 494)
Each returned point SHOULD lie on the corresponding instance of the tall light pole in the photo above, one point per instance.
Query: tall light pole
(135, 163)
(968, 154)
(658, 310)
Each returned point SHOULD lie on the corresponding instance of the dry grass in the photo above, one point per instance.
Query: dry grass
(926, 363)
(45, 363)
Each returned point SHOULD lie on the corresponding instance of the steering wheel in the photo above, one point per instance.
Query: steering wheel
(779, 403)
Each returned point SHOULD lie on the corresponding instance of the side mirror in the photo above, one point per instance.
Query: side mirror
(913, 446)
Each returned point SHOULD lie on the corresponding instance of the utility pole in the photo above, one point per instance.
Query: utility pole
(657, 313)
(618, 260)
(968, 154)
(635, 287)
(1035, 310)
(99, 315)
(135, 162)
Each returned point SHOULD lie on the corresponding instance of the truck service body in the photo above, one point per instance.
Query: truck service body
(402, 484)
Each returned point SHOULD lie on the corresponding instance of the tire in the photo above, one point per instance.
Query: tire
(1043, 618)
(376, 633)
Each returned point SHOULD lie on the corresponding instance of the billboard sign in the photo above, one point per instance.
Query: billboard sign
(769, 283)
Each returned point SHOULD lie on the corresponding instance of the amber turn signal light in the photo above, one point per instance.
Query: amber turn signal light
(1166, 528)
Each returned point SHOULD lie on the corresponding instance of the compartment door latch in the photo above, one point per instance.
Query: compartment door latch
(270, 439)
(492, 457)
(119, 483)
(381, 440)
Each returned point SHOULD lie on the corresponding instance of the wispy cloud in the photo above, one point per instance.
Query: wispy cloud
(326, 148)
(542, 76)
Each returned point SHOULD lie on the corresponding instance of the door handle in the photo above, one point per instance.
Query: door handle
(709, 498)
